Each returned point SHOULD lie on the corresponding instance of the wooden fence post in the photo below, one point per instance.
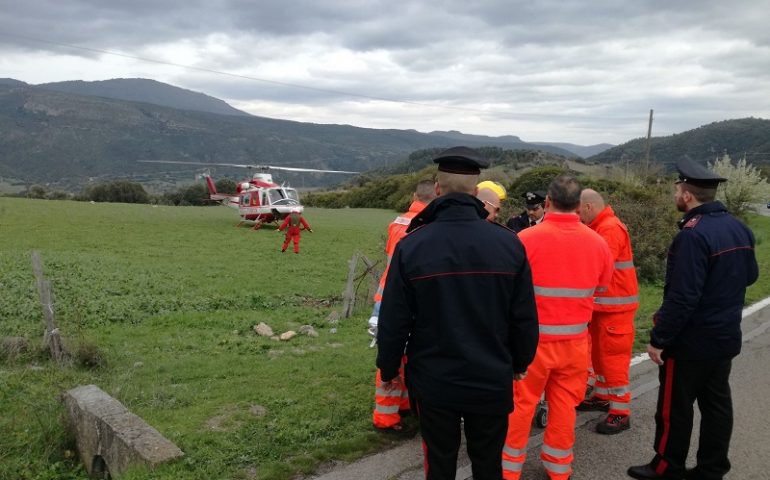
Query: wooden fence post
(349, 297)
(51, 337)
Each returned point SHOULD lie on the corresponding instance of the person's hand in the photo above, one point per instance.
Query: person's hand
(394, 384)
(655, 354)
(519, 376)
(310, 230)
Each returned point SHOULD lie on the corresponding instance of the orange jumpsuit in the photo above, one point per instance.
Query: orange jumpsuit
(388, 404)
(612, 325)
(293, 221)
(569, 262)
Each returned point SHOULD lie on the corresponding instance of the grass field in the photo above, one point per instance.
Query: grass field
(168, 296)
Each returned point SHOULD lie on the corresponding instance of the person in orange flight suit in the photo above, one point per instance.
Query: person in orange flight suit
(612, 324)
(390, 405)
(569, 263)
(295, 223)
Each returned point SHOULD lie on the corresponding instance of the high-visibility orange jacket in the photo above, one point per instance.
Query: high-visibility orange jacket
(397, 231)
(622, 294)
(565, 302)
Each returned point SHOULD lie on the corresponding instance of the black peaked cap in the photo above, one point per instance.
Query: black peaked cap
(534, 198)
(461, 160)
(696, 174)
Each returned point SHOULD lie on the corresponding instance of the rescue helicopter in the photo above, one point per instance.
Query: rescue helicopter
(259, 199)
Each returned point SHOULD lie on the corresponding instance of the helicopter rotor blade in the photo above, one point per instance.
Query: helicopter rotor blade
(255, 167)
(295, 169)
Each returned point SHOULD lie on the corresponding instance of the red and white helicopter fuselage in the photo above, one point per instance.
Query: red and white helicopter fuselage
(259, 200)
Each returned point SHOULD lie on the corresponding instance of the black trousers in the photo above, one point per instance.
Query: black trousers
(683, 381)
(440, 429)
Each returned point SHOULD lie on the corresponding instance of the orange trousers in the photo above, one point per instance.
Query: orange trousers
(560, 370)
(388, 404)
(612, 339)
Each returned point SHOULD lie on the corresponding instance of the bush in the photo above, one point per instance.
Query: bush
(650, 216)
(119, 191)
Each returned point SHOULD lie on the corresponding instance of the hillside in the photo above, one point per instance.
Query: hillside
(64, 139)
(749, 136)
(147, 91)
(579, 150)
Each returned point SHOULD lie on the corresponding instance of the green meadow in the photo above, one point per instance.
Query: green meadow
(158, 304)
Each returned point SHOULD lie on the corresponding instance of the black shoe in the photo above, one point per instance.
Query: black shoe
(613, 424)
(646, 472)
(594, 405)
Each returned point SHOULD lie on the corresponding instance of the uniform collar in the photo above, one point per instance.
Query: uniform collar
(417, 206)
(704, 209)
(605, 213)
(561, 217)
(456, 206)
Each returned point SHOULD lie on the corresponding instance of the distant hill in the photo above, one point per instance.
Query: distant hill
(147, 91)
(11, 82)
(508, 141)
(579, 150)
(66, 139)
(749, 136)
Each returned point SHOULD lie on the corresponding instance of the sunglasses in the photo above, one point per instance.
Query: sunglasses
(495, 207)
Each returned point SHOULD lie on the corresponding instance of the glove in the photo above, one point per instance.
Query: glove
(373, 321)
(310, 230)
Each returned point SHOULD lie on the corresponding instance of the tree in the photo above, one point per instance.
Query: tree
(745, 185)
(36, 191)
(225, 185)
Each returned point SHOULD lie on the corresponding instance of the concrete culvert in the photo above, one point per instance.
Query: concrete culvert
(99, 469)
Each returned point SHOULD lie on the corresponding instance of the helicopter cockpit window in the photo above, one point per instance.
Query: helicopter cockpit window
(292, 194)
(244, 200)
(275, 195)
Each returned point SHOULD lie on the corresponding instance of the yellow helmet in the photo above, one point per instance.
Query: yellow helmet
(495, 187)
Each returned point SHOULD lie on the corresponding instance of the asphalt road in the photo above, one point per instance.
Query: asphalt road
(599, 457)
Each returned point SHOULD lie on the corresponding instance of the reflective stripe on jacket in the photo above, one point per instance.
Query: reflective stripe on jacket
(569, 262)
(396, 231)
(622, 294)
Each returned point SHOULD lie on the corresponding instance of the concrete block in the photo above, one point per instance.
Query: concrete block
(110, 439)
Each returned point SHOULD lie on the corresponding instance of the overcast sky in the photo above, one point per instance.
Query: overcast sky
(584, 72)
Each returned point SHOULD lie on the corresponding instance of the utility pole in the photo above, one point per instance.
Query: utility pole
(647, 155)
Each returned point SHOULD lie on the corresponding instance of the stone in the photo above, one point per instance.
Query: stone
(263, 330)
(286, 336)
(333, 318)
(109, 438)
(308, 330)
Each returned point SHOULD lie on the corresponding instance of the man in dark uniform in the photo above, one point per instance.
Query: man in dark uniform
(534, 203)
(460, 292)
(697, 330)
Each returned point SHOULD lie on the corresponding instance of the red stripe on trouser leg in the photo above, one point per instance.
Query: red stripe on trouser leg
(666, 416)
(613, 339)
(388, 404)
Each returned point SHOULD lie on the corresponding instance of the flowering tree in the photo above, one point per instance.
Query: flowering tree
(745, 185)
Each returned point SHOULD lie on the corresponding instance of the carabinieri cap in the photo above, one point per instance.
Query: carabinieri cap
(461, 160)
(696, 174)
(533, 199)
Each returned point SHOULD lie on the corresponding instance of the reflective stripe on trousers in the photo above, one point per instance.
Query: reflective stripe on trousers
(387, 404)
(613, 333)
(560, 369)
(616, 300)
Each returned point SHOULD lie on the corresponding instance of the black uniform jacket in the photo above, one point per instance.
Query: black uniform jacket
(710, 263)
(459, 290)
(519, 222)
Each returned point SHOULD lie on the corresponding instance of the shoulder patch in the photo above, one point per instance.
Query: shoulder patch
(692, 222)
(402, 220)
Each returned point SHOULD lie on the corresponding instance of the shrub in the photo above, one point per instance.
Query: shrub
(119, 191)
